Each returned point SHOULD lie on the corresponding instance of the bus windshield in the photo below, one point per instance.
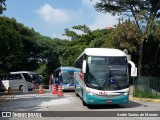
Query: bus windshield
(36, 79)
(67, 77)
(107, 73)
(32, 78)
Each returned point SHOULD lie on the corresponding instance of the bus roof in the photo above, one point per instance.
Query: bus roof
(30, 72)
(68, 68)
(103, 52)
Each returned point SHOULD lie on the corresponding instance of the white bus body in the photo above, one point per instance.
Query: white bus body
(104, 76)
(20, 80)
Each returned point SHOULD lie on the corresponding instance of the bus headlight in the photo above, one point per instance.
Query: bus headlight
(89, 92)
(126, 93)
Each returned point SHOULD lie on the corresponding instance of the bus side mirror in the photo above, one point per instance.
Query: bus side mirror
(40, 77)
(133, 69)
(31, 76)
(134, 72)
(84, 66)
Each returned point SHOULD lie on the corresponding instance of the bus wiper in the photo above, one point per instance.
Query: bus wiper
(118, 84)
(112, 81)
(100, 87)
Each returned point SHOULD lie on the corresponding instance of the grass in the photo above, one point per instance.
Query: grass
(142, 94)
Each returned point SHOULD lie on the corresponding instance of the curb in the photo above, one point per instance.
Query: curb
(145, 99)
(5, 98)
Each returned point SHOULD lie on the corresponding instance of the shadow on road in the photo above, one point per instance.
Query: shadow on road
(131, 104)
(3, 93)
(68, 91)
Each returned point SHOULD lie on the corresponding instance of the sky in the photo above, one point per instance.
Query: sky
(51, 17)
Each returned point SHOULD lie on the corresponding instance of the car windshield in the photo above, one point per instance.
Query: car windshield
(107, 73)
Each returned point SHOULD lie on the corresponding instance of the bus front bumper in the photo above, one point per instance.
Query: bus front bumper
(94, 99)
(68, 87)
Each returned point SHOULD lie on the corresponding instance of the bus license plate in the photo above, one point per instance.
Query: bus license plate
(109, 101)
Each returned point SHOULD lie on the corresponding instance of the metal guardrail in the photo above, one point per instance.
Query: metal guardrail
(148, 85)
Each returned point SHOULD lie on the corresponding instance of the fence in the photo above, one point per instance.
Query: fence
(147, 87)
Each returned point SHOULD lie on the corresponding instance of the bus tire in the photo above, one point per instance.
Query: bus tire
(2, 90)
(21, 88)
(84, 103)
(76, 92)
(30, 89)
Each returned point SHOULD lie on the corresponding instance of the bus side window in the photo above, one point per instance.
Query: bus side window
(27, 77)
(78, 64)
(18, 76)
(11, 77)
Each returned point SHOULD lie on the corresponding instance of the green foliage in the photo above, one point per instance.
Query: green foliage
(22, 48)
(73, 48)
(70, 34)
(2, 6)
(42, 70)
(139, 9)
(70, 54)
(11, 44)
(144, 13)
(100, 37)
(128, 39)
(82, 28)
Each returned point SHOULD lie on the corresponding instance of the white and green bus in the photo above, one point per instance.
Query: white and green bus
(103, 77)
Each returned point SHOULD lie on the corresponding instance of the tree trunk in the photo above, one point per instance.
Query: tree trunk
(140, 62)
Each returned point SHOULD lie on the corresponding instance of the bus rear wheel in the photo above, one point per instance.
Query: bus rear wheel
(21, 88)
(76, 92)
(30, 89)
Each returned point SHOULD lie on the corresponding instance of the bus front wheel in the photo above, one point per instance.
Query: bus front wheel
(84, 104)
(76, 91)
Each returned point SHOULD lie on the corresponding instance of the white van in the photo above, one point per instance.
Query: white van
(21, 80)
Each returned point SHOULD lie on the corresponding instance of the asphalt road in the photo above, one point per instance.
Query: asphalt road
(70, 102)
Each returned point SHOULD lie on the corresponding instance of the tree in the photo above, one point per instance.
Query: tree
(10, 44)
(70, 34)
(128, 39)
(73, 35)
(21, 48)
(100, 37)
(2, 4)
(143, 12)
